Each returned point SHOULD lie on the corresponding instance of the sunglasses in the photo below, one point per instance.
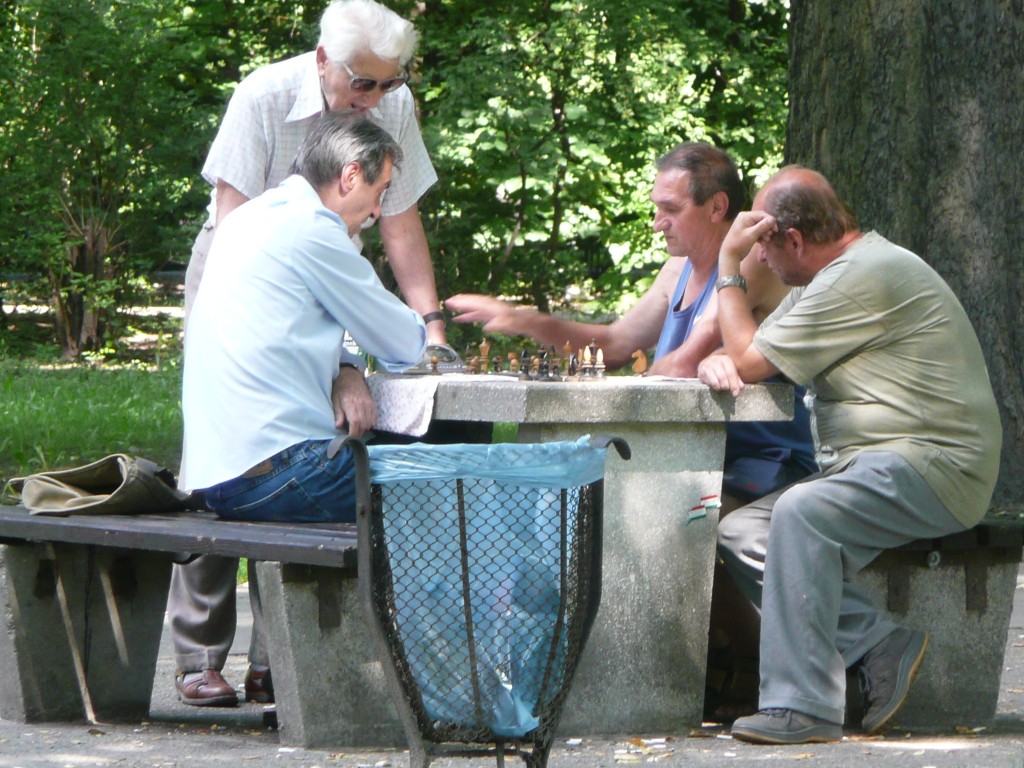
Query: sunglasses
(366, 84)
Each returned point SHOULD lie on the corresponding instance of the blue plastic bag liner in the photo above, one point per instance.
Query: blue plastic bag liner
(511, 642)
(536, 465)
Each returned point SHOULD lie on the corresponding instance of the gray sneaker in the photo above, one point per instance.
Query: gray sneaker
(785, 726)
(886, 672)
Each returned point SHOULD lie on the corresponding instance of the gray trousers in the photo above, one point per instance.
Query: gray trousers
(794, 554)
(201, 604)
(202, 613)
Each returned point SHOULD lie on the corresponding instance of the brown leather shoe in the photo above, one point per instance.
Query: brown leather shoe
(205, 689)
(259, 686)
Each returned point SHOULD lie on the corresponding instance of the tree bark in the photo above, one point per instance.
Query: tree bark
(914, 110)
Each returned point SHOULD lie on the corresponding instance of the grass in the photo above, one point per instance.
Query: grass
(62, 416)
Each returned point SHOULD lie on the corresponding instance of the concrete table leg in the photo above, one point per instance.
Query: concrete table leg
(644, 666)
(82, 630)
(330, 688)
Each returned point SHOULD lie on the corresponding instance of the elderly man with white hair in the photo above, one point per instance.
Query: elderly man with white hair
(357, 67)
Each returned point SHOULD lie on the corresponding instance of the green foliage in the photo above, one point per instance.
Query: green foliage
(106, 113)
(544, 119)
(89, 92)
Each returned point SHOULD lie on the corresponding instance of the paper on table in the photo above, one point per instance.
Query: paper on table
(659, 377)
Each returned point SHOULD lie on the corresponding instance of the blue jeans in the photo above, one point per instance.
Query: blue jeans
(298, 485)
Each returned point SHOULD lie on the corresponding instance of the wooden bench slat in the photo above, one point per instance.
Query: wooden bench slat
(327, 544)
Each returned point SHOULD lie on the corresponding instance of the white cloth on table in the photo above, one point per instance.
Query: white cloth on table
(405, 404)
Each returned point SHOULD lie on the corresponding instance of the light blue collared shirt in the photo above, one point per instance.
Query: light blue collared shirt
(282, 284)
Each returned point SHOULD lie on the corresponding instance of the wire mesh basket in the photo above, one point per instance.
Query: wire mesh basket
(480, 572)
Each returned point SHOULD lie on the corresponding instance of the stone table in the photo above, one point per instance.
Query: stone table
(643, 668)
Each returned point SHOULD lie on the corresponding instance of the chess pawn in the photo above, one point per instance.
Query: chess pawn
(474, 364)
(513, 363)
(599, 364)
(433, 365)
(496, 364)
(534, 365)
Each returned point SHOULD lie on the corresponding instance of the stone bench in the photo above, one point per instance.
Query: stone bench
(83, 601)
(960, 590)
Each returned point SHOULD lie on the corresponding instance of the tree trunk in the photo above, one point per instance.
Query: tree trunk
(78, 312)
(914, 109)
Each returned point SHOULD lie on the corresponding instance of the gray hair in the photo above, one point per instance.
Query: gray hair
(711, 171)
(349, 27)
(337, 139)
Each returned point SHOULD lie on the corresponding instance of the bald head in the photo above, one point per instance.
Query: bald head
(801, 199)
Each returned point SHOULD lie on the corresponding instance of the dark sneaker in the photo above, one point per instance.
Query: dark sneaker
(205, 689)
(259, 686)
(886, 672)
(785, 726)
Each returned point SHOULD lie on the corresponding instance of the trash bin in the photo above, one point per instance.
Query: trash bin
(479, 569)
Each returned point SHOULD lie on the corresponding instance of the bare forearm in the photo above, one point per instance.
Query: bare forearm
(735, 317)
(682, 362)
(405, 243)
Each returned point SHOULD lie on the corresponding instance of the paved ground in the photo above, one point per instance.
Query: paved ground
(177, 735)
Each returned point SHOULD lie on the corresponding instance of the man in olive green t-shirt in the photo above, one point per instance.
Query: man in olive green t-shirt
(907, 437)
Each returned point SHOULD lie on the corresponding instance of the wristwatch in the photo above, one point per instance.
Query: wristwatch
(728, 281)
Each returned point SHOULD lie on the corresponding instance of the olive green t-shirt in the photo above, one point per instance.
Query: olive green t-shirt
(892, 364)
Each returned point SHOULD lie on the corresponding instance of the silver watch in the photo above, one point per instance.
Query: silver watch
(731, 280)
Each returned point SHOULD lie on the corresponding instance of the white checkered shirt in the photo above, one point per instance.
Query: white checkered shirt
(268, 117)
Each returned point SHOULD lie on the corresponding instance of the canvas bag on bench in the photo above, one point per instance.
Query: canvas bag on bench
(116, 484)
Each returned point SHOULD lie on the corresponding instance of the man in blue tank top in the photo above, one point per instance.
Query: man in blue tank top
(697, 194)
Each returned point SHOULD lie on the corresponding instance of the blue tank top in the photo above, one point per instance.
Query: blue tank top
(679, 323)
(762, 445)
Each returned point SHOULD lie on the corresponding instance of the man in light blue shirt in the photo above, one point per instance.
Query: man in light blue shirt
(283, 284)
